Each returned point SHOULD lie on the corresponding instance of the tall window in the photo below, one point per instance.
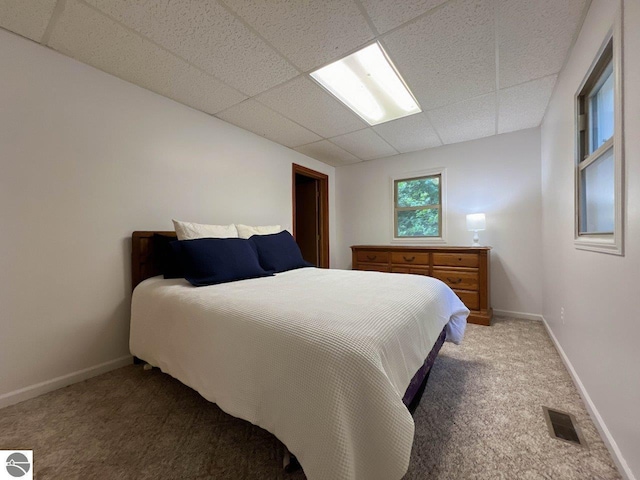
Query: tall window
(596, 164)
(599, 155)
(418, 206)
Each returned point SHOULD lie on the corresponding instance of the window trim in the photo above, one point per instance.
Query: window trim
(611, 243)
(443, 206)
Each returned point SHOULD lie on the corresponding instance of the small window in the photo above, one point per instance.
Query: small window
(599, 155)
(418, 206)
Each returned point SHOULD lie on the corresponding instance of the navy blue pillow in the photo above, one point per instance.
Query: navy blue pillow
(167, 256)
(209, 261)
(279, 252)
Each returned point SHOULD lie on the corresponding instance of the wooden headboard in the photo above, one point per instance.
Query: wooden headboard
(144, 263)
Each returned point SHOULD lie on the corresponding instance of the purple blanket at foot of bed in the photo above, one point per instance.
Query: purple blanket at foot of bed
(416, 382)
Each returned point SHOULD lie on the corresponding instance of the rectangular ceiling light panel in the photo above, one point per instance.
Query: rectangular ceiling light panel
(367, 83)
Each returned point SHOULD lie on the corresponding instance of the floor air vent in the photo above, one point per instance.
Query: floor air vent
(563, 426)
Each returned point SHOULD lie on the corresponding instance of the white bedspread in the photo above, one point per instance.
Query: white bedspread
(320, 358)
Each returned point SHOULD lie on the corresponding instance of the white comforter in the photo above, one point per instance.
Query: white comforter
(320, 358)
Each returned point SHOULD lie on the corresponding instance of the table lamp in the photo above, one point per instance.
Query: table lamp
(475, 223)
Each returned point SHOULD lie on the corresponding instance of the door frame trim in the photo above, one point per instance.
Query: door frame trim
(324, 207)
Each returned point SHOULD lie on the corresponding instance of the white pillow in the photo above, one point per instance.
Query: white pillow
(245, 231)
(190, 231)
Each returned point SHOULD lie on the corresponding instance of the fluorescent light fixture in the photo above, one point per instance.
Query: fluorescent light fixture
(368, 84)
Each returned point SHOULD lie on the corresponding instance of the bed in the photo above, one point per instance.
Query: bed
(326, 360)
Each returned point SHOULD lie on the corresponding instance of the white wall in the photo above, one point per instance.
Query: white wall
(85, 159)
(599, 292)
(499, 176)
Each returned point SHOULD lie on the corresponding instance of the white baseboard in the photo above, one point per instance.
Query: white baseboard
(611, 444)
(523, 315)
(55, 383)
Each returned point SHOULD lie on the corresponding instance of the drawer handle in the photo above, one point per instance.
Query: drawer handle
(371, 257)
(411, 259)
(455, 281)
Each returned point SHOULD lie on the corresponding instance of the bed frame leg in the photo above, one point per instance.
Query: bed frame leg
(139, 361)
(290, 463)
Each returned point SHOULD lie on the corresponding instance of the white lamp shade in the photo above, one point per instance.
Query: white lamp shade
(476, 222)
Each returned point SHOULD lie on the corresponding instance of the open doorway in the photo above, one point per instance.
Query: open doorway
(311, 214)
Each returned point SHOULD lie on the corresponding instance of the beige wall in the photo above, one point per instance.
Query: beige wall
(499, 176)
(85, 159)
(599, 292)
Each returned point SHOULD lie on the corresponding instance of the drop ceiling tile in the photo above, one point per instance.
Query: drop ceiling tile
(467, 120)
(365, 144)
(207, 35)
(389, 14)
(309, 33)
(327, 152)
(305, 102)
(28, 18)
(534, 37)
(409, 134)
(523, 106)
(85, 34)
(263, 121)
(447, 56)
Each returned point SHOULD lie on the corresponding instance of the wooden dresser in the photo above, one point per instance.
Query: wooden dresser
(464, 269)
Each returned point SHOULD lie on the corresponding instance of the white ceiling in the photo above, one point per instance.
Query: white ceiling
(477, 67)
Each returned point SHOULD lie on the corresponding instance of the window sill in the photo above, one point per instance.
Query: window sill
(420, 240)
(600, 244)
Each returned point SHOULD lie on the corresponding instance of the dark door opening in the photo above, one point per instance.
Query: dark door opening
(311, 214)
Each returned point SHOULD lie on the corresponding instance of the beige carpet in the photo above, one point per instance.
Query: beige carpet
(480, 418)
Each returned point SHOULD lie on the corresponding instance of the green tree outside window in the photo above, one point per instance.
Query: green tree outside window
(418, 206)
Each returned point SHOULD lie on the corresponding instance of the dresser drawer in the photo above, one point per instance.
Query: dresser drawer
(421, 270)
(456, 279)
(408, 258)
(374, 267)
(372, 256)
(470, 299)
(456, 259)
